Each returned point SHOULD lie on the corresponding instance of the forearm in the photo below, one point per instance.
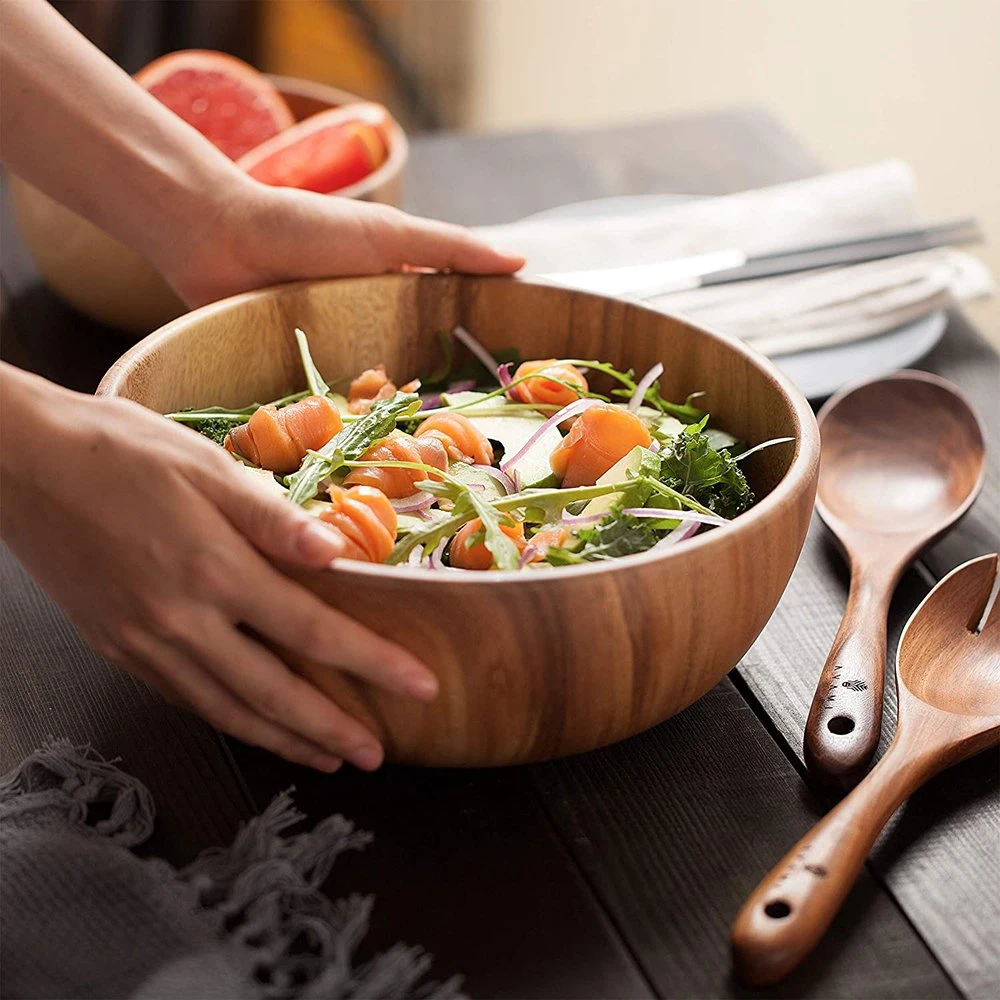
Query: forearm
(24, 401)
(76, 126)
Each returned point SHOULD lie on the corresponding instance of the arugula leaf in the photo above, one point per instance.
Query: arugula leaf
(431, 533)
(544, 506)
(504, 551)
(352, 442)
(227, 415)
(538, 506)
(616, 536)
(683, 411)
(693, 467)
(317, 386)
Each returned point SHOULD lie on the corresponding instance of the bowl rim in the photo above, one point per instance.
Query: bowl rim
(399, 146)
(804, 464)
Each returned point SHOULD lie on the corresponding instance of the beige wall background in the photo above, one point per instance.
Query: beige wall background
(857, 80)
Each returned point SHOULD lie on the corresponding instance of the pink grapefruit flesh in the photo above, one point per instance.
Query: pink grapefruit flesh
(227, 101)
(325, 153)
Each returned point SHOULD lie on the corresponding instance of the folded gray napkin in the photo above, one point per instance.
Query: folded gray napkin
(84, 917)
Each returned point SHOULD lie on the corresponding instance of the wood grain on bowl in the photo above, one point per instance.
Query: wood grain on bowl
(113, 284)
(538, 665)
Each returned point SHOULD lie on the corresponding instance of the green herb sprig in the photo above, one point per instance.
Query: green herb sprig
(351, 443)
(315, 381)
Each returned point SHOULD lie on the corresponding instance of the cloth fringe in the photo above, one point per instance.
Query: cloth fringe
(78, 785)
(261, 895)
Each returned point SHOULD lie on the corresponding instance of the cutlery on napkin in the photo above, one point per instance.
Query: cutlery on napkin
(777, 314)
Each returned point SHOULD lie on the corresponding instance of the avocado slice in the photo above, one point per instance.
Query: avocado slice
(617, 473)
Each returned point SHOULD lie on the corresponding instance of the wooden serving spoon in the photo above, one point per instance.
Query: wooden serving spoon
(903, 458)
(948, 684)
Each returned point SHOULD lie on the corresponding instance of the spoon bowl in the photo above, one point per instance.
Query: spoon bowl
(903, 458)
(948, 681)
(901, 455)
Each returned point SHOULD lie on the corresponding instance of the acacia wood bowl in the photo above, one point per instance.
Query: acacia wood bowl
(539, 664)
(109, 282)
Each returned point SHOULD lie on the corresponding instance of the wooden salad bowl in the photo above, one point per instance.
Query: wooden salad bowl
(111, 283)
(547, 663)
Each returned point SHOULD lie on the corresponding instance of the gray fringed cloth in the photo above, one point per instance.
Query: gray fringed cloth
(84, 917)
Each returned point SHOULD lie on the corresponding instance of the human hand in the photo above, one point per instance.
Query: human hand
(148, 178)
(157, 547)
(264, 235)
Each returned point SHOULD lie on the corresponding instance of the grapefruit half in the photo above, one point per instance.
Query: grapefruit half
(326, 152)
(226, 100)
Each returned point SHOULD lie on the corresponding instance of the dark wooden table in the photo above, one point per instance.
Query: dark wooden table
(616, 873)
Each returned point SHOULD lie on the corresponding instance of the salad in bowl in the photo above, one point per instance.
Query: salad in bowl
(580, 519)
(513, 466)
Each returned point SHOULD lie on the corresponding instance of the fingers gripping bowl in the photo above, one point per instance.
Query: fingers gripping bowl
(531, 665)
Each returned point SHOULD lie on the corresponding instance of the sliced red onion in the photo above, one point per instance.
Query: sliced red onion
(432, 400)
(502, 478)
(678, 535)
(577, 520)
(503, 374)
(644, 383)
(669, 514)
(434, 560)
(416, 557)
(570, 410)
(487, 359)
(412, 504)
(529, 553)
(654, 446)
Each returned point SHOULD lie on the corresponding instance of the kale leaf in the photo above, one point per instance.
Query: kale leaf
(617, 535)
(213, 428)
(693, 467)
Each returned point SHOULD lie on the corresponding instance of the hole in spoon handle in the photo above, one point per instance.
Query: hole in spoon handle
(845, 720)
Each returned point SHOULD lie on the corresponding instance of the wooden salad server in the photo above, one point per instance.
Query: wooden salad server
(902, 459)
(948, 684)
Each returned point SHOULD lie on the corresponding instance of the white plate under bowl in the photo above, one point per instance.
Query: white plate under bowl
(820, 372)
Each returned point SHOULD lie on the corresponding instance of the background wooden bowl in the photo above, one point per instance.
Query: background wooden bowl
(531, 665)
(107, 281)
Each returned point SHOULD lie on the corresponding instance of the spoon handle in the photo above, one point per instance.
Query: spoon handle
(845, 718)
(791, 909)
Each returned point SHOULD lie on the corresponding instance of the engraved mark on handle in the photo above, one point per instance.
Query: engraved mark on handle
(832, 694)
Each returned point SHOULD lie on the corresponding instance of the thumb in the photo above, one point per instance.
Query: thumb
(275, 526)
(399, 239)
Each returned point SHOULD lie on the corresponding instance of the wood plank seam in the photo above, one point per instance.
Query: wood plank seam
(613, 925)
(794, 756)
